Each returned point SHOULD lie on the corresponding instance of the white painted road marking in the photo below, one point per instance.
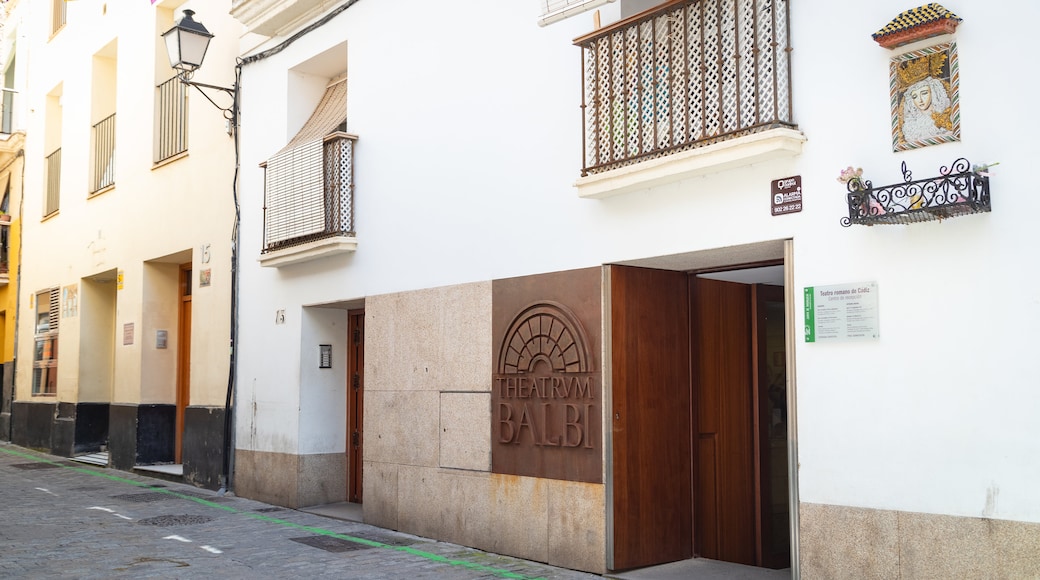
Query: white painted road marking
(102, 509)
(47, 491)
(178, 538)
(212, 550)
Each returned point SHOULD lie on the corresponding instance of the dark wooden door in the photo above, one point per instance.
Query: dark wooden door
(355, 404)
(724, 470)
(650, 416)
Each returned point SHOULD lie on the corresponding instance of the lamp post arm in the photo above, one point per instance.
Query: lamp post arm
(230, 112)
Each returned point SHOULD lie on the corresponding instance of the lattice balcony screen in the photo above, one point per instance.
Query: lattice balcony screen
(310, 192)
(688, 75)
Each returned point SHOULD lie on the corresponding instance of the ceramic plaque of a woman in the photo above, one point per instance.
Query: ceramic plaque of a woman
(925, 108)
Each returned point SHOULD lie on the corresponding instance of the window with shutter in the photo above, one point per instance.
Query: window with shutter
(45, 353)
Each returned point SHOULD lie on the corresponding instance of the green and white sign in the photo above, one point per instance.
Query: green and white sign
(841, 312)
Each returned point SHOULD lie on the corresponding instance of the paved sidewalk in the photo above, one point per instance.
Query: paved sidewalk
(61, 519)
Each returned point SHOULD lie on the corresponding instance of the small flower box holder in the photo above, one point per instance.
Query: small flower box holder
(959, 189)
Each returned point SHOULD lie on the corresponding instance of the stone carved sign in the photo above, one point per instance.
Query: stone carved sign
(546, 398)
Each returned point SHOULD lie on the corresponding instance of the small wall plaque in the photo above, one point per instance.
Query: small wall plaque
(842, 312)
(128, 334)
(161, 337)
(787, 195)
(325, 356)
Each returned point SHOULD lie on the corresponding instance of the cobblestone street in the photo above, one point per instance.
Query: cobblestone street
(62, 519)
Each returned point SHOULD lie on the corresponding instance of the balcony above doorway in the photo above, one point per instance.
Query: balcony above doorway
(685, 89)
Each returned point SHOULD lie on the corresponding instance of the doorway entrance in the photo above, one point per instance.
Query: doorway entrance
(699, 412)
(183, 359)
(355, 403)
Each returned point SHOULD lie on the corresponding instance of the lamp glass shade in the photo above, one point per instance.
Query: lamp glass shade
(186, 43)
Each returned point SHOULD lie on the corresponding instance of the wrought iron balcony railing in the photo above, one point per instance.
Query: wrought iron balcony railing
(686, 74)
(53, 163)
(172, 134)
(104, 145)
(7, 111)
(312, 203)
(960, 189)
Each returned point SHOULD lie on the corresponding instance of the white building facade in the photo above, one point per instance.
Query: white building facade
(125, 293)
(532, 289)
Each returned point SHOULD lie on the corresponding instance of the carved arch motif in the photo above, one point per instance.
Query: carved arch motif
(545, 332)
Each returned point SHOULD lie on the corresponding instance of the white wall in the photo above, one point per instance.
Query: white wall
(470, 139)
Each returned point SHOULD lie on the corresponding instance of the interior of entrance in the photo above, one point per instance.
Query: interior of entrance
(700, 414)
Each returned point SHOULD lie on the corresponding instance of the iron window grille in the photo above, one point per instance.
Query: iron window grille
(104, 144)
(57, 15)
(172, 133)
(691, 73)
(53, 165)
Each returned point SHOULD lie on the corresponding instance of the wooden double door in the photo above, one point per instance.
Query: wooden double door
(699, 420)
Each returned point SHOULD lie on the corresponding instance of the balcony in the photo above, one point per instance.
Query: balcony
(171, 136)
(269, 17)
(309, 202)
(688, 88)
(104, 149)
(53, 168)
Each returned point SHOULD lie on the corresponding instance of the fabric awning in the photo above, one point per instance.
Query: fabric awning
(330, 113)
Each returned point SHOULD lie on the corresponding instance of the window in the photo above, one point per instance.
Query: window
(52, 145)
(104, 145)
(5, 230)
(45, 353)
(171, 136)
(103, 129)
(57, 15)
(53, 168)
(309, 183)
(7, 112)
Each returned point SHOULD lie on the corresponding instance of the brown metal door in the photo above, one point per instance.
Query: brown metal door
(355, 404)
(650, 416)
(724, 467)
(183, 359)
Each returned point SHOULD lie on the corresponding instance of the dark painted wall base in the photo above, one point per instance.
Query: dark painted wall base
(59, 428)
(141, 435)
(203, 446)
(134, 434)
(32, 424)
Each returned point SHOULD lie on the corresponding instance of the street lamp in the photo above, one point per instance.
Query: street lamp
(186, 45)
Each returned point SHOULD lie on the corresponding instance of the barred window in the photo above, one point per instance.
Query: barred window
(45, 353)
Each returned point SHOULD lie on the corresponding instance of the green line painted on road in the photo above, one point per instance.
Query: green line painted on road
(314, 530)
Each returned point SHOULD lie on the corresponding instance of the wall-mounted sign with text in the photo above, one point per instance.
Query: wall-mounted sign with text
(841, 312)
(787, 195)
